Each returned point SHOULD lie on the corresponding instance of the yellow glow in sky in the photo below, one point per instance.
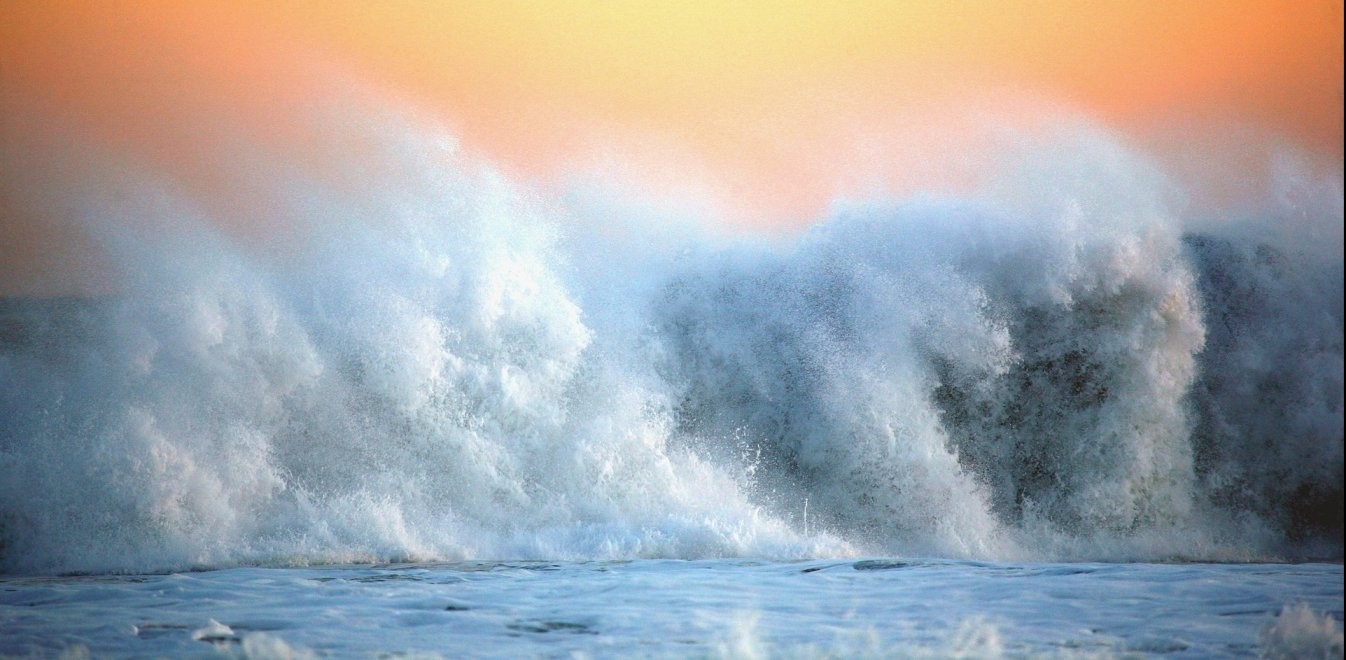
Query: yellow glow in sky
(779, 106)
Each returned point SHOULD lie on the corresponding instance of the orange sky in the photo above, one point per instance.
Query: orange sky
(780, 106)
(763, 91)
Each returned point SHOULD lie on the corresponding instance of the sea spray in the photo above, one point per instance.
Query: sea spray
(440, 366)
(413, 385)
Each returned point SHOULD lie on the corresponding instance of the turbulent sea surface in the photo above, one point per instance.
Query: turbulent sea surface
(1058, 369)
(703, 608)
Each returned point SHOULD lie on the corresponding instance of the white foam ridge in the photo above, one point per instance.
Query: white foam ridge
(440, 365)
(1300, 632)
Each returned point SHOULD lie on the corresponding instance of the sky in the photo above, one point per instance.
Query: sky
(768, 110)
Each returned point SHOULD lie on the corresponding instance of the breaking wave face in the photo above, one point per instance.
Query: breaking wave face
(442, 367)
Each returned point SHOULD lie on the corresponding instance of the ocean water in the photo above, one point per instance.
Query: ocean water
(436, 411)
(676, 608)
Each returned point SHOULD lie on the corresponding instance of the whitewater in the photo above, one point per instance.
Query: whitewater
(441, 395)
